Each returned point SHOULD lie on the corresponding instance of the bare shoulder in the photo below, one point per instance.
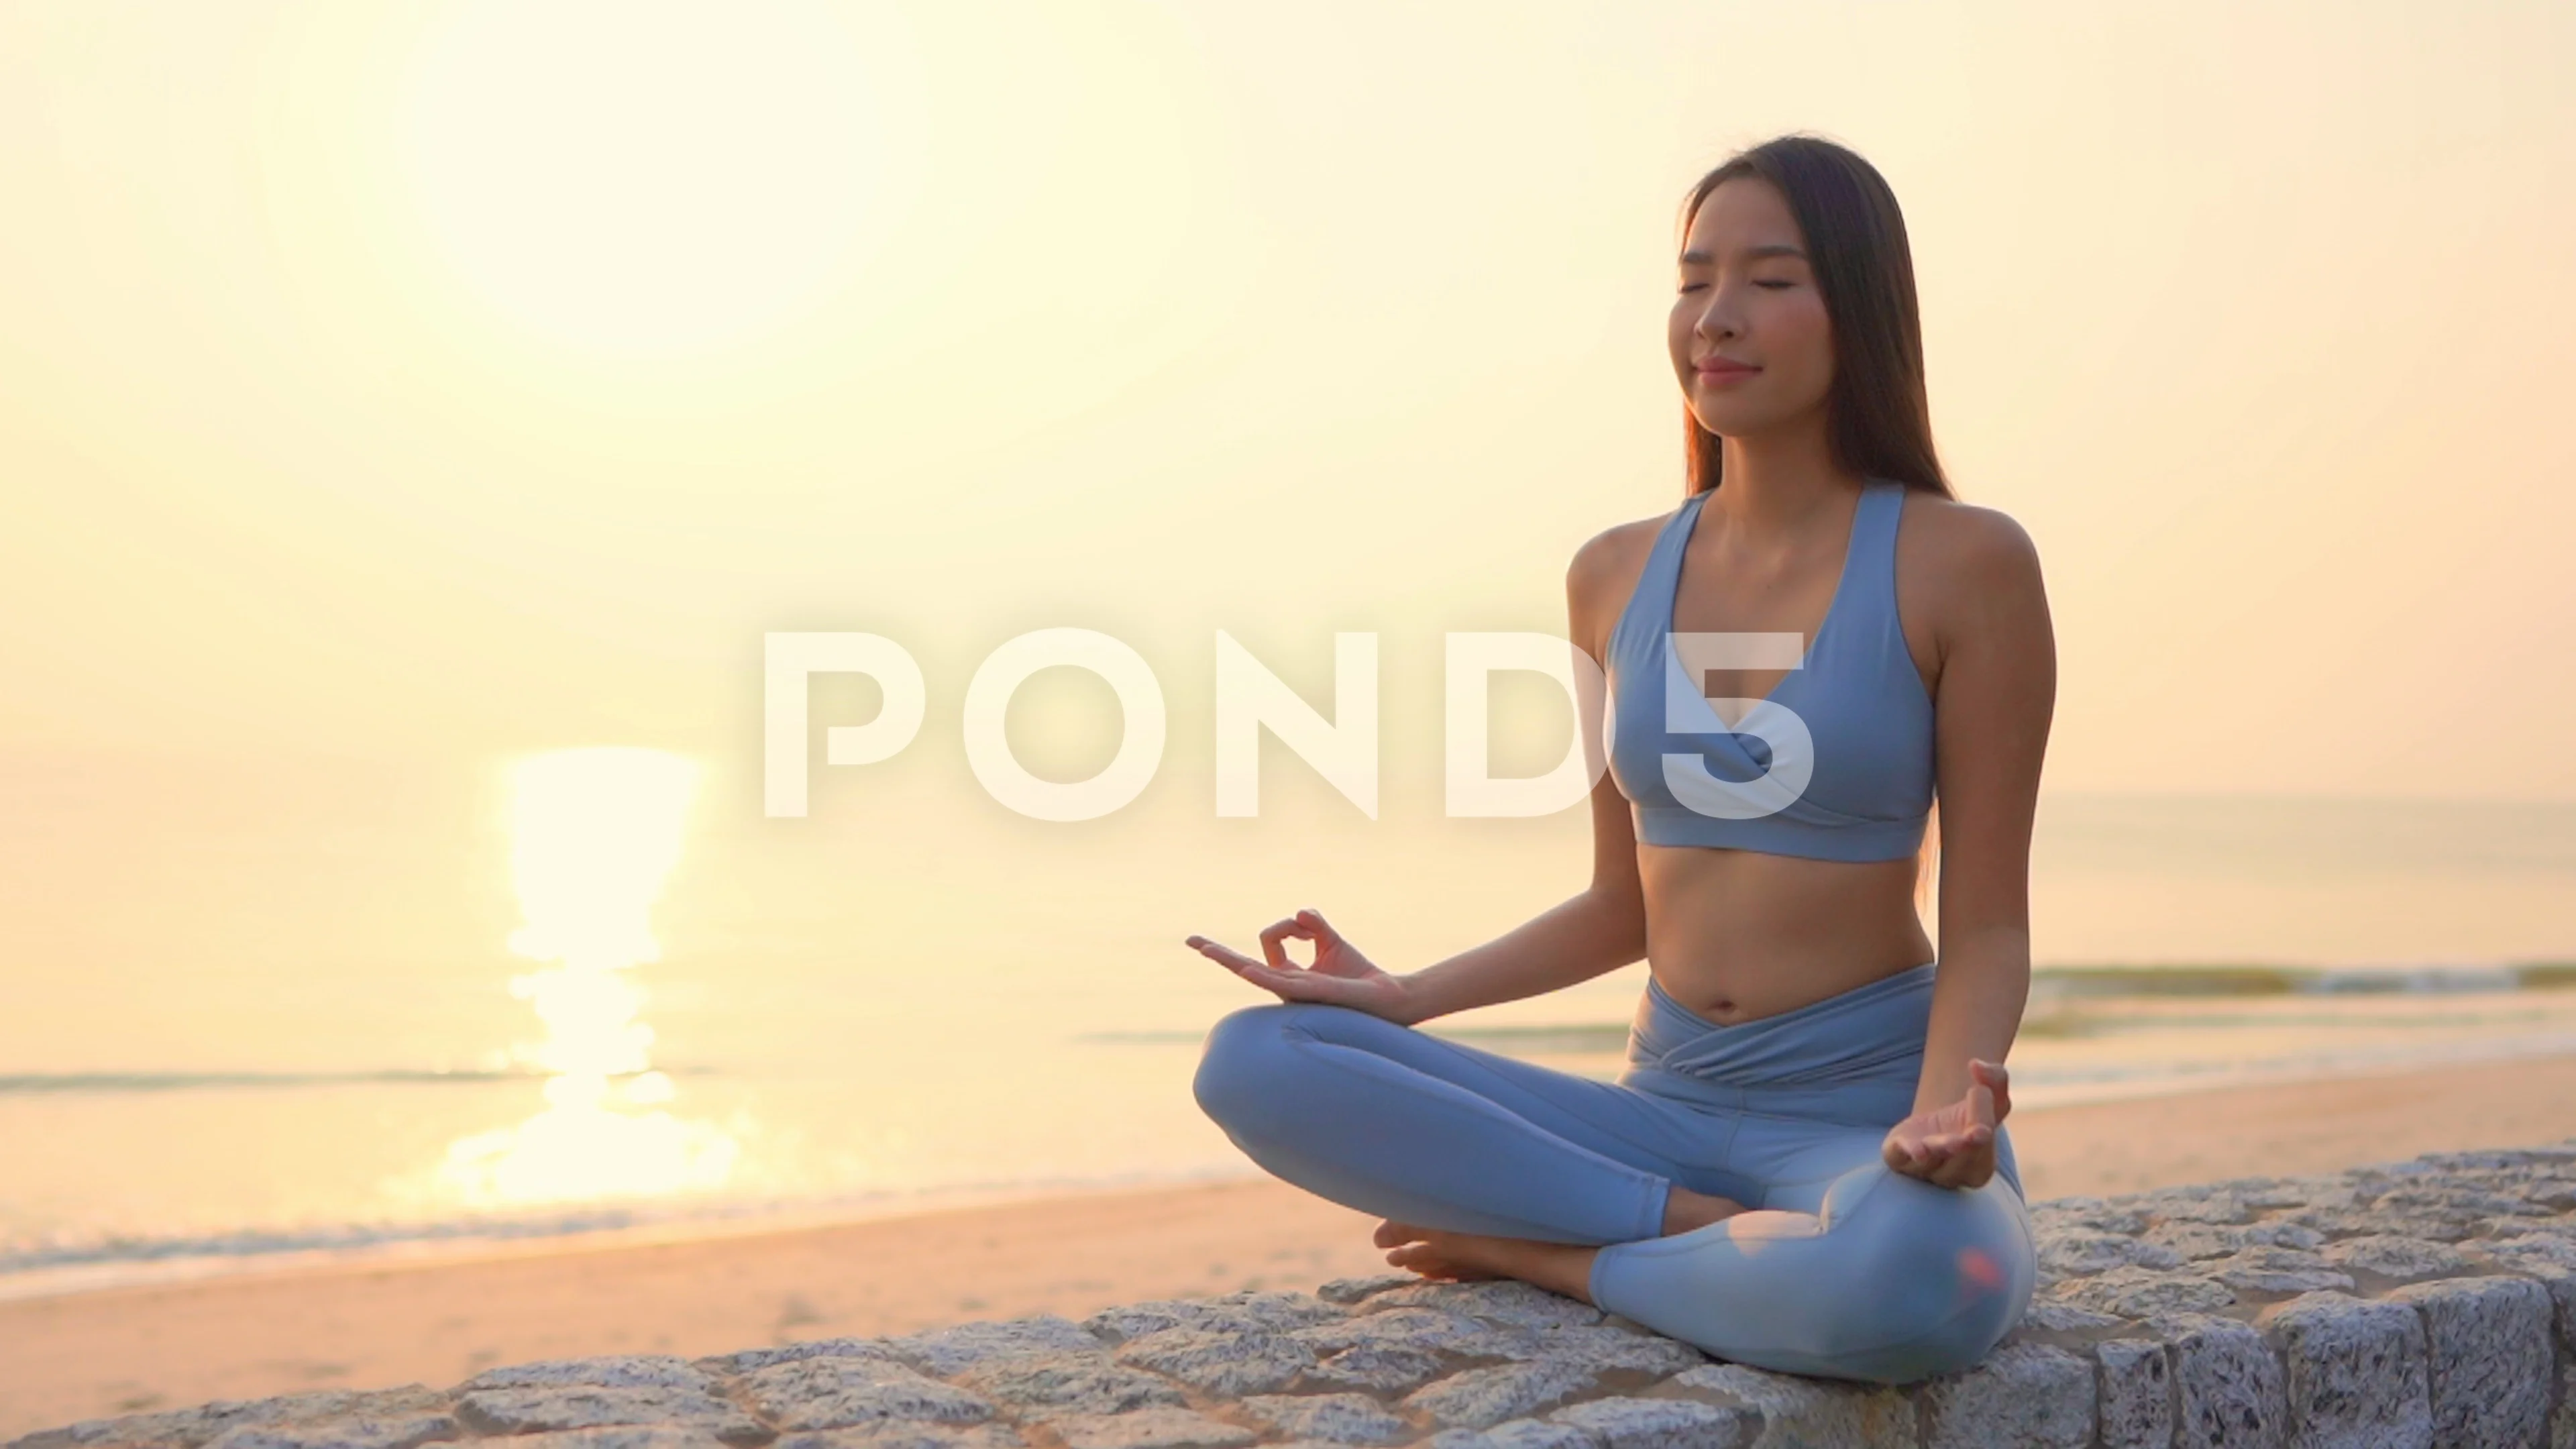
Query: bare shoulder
(1966, 541)
(1963, 567)
(1615, 554)
(1603, 573)
(1966, 575)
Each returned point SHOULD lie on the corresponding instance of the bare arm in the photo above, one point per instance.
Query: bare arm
(1998, 690)
(1598, 929)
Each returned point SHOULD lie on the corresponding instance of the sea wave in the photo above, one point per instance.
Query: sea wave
(33, 1083)
(64, 1263)
(329, 1238)
(2271, 979)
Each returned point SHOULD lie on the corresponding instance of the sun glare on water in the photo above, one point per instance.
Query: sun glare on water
(594, 834)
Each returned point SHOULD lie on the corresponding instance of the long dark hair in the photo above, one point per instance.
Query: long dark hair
(1878, 415)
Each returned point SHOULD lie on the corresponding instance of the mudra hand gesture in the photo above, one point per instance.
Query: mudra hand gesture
(1954, 1146)
(1339, 976)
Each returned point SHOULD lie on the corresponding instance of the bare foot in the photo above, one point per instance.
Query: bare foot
(1685, 1210)
(1463, 1257)
(1434, 1253)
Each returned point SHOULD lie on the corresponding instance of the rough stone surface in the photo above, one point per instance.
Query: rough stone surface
(893, 1434)
(1228, 1365)
(635, 1371)
(1376, 1369)
(2132, 1292)
(969, 1345)
(1613, 1352)
(2401, 1260)
(1789, 1410)
(2133, 1393)
(2086, 1250)
(578, 1406)
(1158, 1427)
(191, 1428)
(1433, 1330)
(2227, 1384)
(2047, 1315)
(1482, 1398)
(1501, 1301)
(1519, 1434)
(839, 1392)
(2023, 1393)
(2488, 1340)
(1655, 1423)
(759, 1358)
(2353, 1373)
(1332, 1418)
(2430, 1302)
(619, 1436)
(356, 1431)
(1073, 1383)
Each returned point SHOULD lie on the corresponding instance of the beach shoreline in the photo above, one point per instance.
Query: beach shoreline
(414, 1253)
(440, 1316)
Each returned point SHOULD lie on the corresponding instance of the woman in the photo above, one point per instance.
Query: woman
(1804, 1166)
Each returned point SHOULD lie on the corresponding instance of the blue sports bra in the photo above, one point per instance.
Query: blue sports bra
(1835, 764)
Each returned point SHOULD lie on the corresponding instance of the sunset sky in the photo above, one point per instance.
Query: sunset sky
(419, 380)
(412, 387)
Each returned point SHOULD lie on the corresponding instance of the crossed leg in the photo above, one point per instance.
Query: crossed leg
(1425, 1131)
(1484, 1166)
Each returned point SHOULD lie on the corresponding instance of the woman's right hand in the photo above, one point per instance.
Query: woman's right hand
(1340, 975)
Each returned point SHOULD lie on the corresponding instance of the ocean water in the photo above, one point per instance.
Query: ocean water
(372, 1016)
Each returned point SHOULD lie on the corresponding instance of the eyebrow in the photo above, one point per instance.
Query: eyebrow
(1775, 249)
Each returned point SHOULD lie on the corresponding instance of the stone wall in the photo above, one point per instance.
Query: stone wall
(2430, 1302)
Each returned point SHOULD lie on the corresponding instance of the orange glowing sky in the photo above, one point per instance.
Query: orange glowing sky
(410, 388)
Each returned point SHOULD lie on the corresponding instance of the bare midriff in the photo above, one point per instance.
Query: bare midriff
(1735, 935)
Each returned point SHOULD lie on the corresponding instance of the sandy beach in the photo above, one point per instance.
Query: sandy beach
(122, 1350)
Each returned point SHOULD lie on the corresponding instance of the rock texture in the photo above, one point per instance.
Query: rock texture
(2424, 1303)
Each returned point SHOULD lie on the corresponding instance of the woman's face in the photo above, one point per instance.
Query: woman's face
(1747, 295)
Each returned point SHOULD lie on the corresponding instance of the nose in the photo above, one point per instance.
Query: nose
(1717, 321)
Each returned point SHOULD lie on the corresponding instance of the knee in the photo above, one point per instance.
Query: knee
(1246, 1061)
(1953, 1270)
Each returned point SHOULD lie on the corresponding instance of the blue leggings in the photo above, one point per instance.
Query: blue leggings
(1842, 1268)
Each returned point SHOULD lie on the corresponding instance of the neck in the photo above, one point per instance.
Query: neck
(1779, 485)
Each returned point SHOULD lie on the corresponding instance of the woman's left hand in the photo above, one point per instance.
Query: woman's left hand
(1954, 1146)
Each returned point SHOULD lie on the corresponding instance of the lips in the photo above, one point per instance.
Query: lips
(1727, 369)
